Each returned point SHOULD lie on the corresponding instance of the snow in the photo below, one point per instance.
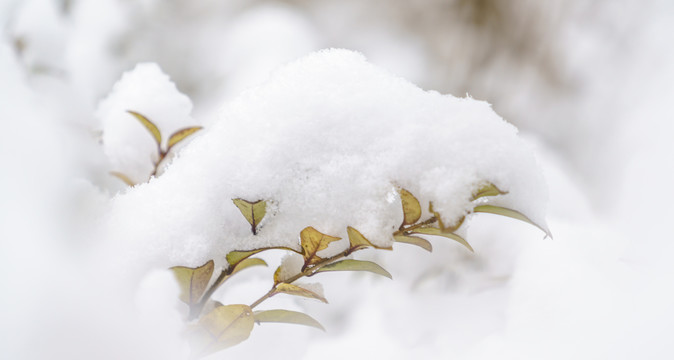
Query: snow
(588, 85)
(326, 139)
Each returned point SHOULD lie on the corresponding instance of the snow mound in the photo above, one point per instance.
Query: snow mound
(325, 140)
(150, 92)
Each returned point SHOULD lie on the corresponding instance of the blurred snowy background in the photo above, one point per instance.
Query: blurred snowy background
(589, 84)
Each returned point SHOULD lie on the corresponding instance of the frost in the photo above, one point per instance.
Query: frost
(150, 92)
(326, 140)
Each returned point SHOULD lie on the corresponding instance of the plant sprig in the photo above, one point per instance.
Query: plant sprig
(227, 325)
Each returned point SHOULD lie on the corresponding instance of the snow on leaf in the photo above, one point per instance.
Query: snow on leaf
(286, 317)
(252, 211)
(414, 240)
(491, 209)
(356, 265)
(292, 289)
(149, 125)
(181, 134)
(312, 242)
(193, 281)
(438, 232)
(411, 207)
(488, 190)
(221, 328)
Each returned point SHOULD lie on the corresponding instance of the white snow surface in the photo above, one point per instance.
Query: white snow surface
(325, 140)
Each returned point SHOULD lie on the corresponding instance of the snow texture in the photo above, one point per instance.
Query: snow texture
(150, 92)
(326, 140)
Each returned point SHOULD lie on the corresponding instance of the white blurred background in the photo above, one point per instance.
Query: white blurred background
(590, 83)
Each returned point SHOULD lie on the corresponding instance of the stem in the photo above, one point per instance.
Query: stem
(305, 273)
(402, 231)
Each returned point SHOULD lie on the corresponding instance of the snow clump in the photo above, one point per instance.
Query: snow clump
(325, 140)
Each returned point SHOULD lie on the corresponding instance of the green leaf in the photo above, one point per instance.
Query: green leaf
(181, 134)
(411, 207)
(246, 263)
(488, 190)
(414, 240)
(193, 281)
(235, 257)
(287, 317)
(149, 125)
(491, 209)
(356, 265)
(221, 328)
(437, 232)
(312, 242)
(292, 289)
(252, 211)
(122, 177)
(358, 241)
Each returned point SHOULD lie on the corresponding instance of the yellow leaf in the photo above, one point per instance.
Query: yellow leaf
(122, 177)
(414, 240)
(491, 209)
(292, 289)
(181, 134)
(313, 241)
(221, 328)
(149, 125)
(488, 190)
(358, 241)
(277, 275)
(252, 211)
(235, 257)
(193, 281)
(287, 317)
(246, 263)
(437, 232)
(356, 265)
(411, 207)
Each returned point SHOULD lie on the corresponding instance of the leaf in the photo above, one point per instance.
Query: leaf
(181, 134)
(246, 263)
(221, 328)
(313, 241)
(358, 241)
(277, 275)
(287, 317)
(298, 291)
(488, 190)
(252, 211)
(411, 207)
(437, 232)
(193, 281)
(235, 257)
(414, 240)
(149, 125)
(122, 177)
(491, 209)
(356, 265)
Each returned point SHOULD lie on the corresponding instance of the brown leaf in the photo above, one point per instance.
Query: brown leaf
(193, 281)
(298, 291)
(312, 242)
(149, 125)
(357, 241)
(181, 134)
(411, 207)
